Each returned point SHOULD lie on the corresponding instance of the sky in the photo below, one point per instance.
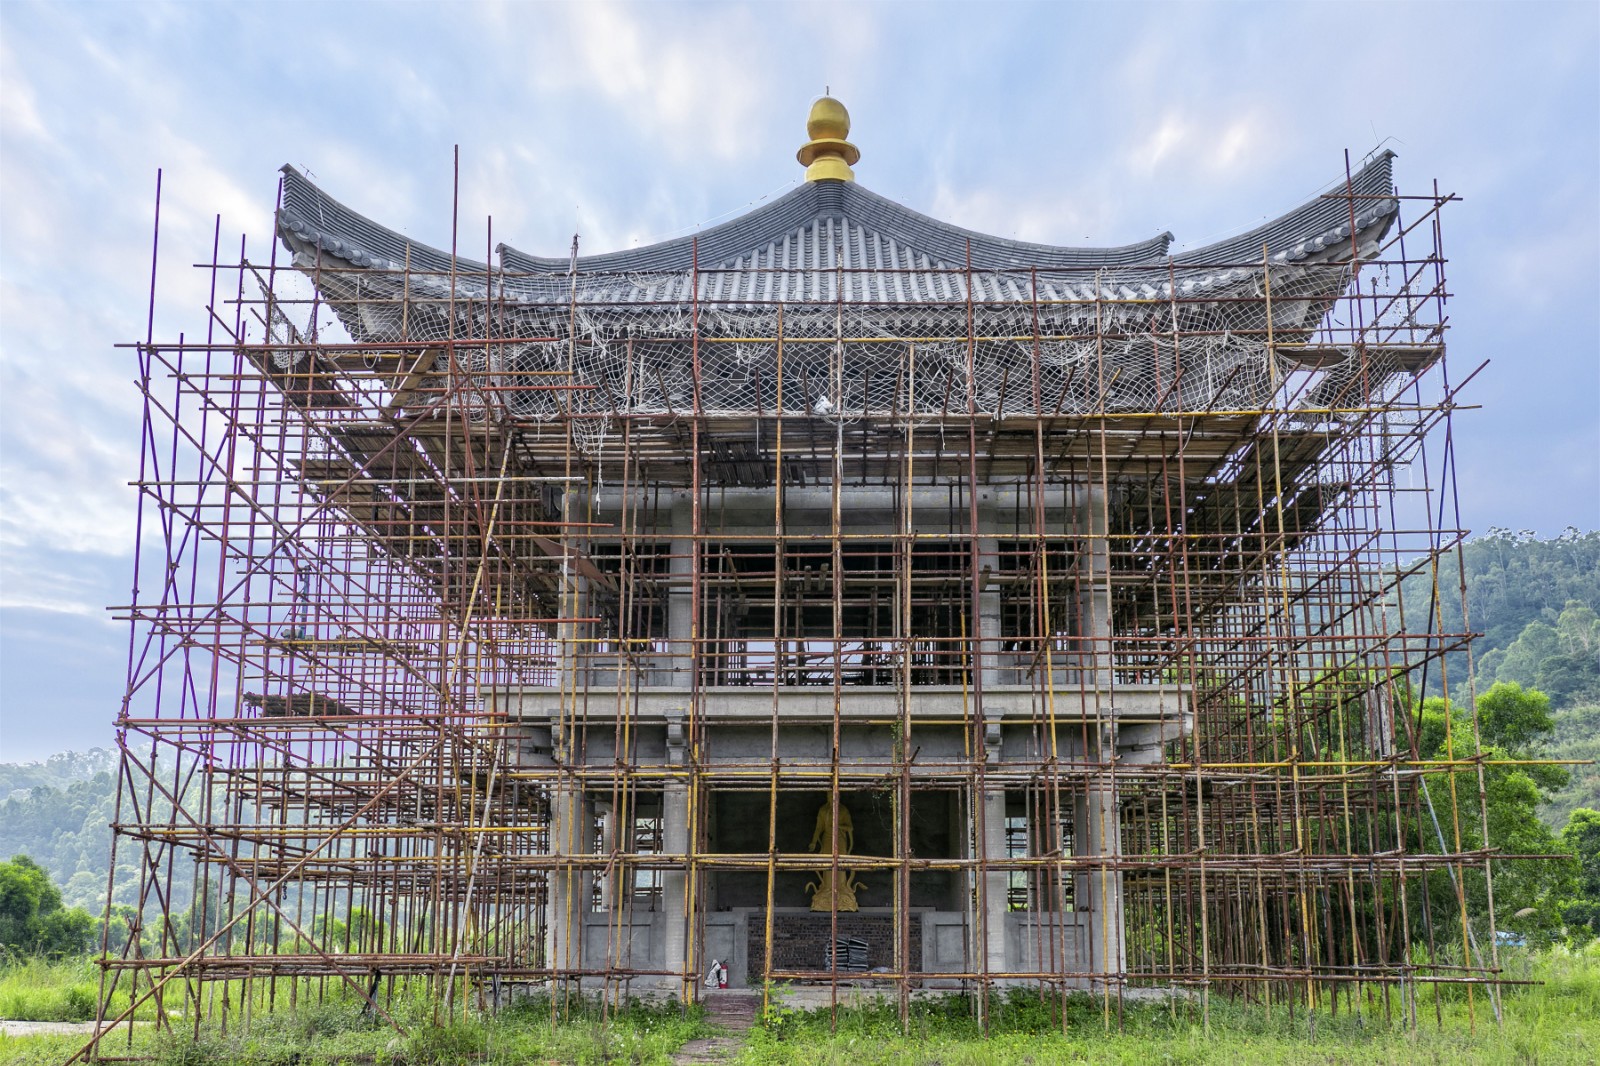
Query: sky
(1096, 124)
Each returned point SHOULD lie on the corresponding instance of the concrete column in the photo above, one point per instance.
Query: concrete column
(992, 843)
(1381, 722)
(675, 925)
(1103, 839)
(680, 598)
(611, 887)
(582, 646)
(959, 899)
(989, 655)
(987, 628)
(1095, 613)
(571, 826)
(1081, 849)
(574, 597)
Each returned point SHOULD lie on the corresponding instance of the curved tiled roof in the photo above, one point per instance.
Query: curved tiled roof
(848, 202)
(1313, 226)
(319, 221)
(791, 248)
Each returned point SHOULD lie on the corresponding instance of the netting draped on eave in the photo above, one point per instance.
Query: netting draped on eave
(1107, 341)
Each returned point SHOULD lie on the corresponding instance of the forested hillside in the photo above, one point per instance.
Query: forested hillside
(57, 771)
(58, 813)
(1513, 580)
(67, 828)
(66, 831)
(1562, 660)
(1535, 602)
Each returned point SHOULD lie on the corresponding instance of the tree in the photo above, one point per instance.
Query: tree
(1513, 723)
(65, 828)
(1582, 836)
(126, 925)
(363, 931)
(1576, 737)
(1513, 579)
(1561, 660)
(32, 920)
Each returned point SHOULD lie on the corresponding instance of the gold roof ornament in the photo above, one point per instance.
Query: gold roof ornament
(827, 156)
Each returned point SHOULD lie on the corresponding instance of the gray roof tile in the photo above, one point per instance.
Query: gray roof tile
(805, 245)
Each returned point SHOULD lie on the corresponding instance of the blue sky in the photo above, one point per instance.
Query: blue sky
(1063, 123)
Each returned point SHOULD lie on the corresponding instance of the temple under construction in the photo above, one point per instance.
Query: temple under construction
(836, 595)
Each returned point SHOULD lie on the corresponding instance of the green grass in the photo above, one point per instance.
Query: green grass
(39, 991)
(280, 1041)
(336, 1031)
(1557, 1022)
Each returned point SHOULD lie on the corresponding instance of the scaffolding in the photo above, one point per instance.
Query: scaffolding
(513, 627)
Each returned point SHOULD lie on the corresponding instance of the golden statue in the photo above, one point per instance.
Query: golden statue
(830, 893)
(822, 836)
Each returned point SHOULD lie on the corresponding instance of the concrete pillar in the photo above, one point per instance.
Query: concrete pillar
(992, 845)
(989, 625)
(1381, 722)
(680, 621)
(1102, 838)
(676, 670)
(675, 924)
(987, 628)
(1095, 611)
(571, 828)
(959, 899)
(574, 604)
(611, 886)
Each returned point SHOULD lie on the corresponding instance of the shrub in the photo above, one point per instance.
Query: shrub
(444, 1044)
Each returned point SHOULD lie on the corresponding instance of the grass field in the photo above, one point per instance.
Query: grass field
(39, 991)
(1555, 1022)
(336, 1031)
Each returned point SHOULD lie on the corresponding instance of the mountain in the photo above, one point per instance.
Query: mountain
(66, 829)
(58, 771)
(1537, 604)
(59, 813)
(1512, 580)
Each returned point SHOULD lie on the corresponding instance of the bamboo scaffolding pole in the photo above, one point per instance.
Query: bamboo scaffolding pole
(1100, 636)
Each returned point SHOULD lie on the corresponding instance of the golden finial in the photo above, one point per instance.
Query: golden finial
(827, 156)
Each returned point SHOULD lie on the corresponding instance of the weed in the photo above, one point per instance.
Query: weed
(37, 991)
(1555, 1022)
(174, 1049)
(445, 1044)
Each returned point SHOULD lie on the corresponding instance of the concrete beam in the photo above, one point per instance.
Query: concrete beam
(1125, 703)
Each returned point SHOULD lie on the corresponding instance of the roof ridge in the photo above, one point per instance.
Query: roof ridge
(1313, 226)
(815, 201)
(329, 225)
(790, 225)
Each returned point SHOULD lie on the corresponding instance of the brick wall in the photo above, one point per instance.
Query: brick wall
(800, 940)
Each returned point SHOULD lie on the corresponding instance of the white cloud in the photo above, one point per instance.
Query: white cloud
(19, 112)
(1171, 134)
(680, 78)
(1066, 124)
(1184, 140)
(1052, 216)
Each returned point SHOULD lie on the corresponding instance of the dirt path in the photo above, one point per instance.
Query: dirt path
(735, 1012)
(10, 1028)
